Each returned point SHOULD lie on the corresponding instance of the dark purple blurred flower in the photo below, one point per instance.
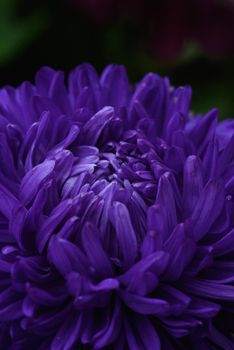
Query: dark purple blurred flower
(168, 26)
(116, 216)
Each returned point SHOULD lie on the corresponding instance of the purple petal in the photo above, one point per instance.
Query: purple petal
(67, 334)
(95, 252)
(115, 86)
(208, 208)
(141, 276)
(165, 198)
(52, 222)
(111, 331)
(203, 308)
(209, 289)
(204, 129)
(210, 160)
(93, 128)
(147, 334)
(181, 248)
(145, 306)
(125, 234)
(34, 179)
(225, 245)
(8, 202)
(66, 257)
(193, 184)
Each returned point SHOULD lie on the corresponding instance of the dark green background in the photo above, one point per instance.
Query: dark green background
(55, 33)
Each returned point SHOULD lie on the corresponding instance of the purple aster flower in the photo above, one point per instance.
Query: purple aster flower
(116, 216)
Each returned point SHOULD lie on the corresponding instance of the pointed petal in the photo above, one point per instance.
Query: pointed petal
(67, 334)
(203, 308)
(115, 86)
(8, 202)
(142, 276)
(193, 184)
(208, 208)
(67, 257)
(144, 305)
(210, 160)
(209, 289)
(125, 233)
(225, 245)
(165, 198)
(34, 179)
(204, 129)
(51, 223)
(108, 335)
(147, 333)
(95, 125)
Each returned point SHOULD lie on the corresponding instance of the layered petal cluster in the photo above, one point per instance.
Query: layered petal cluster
(116, 216)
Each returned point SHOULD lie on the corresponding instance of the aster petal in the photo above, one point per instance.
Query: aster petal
(142, 277)
(11, 311)
(95, 252)
(136, 113)
(144, 305)
(204, 130)
(180, 100)
(193, 184)
(67, 334)
(115, 86)
(181, 248)
(29, 307)
(125, 233)
(96, 124)
(210, 289)
(203, 308)
(82, 77)
(220, 340)
(66, 256)
(107, 194)
(208, 208)
(182, 326)
(147, 334)
(152, 92)
(224, 245)
(176, 122)
(174, 158)
(156, 225)
(165, 198)
(210, 160)
(34, 215)
(133, 341)
(8, 202)
(34, 179)
(179, 301)
(181, 139)
(16, 227)
(44, 323)
(51, 84)
(202, 259)
(108, 334)
(44, 297)
(5, 266)
(226, 156)
(52, 222)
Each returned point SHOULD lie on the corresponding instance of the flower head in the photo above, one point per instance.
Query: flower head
(116, 216)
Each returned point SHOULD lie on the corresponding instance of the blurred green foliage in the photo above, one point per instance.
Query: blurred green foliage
(16, 32)
(54, 33)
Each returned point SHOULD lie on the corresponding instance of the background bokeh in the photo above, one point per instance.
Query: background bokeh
(190, 41)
